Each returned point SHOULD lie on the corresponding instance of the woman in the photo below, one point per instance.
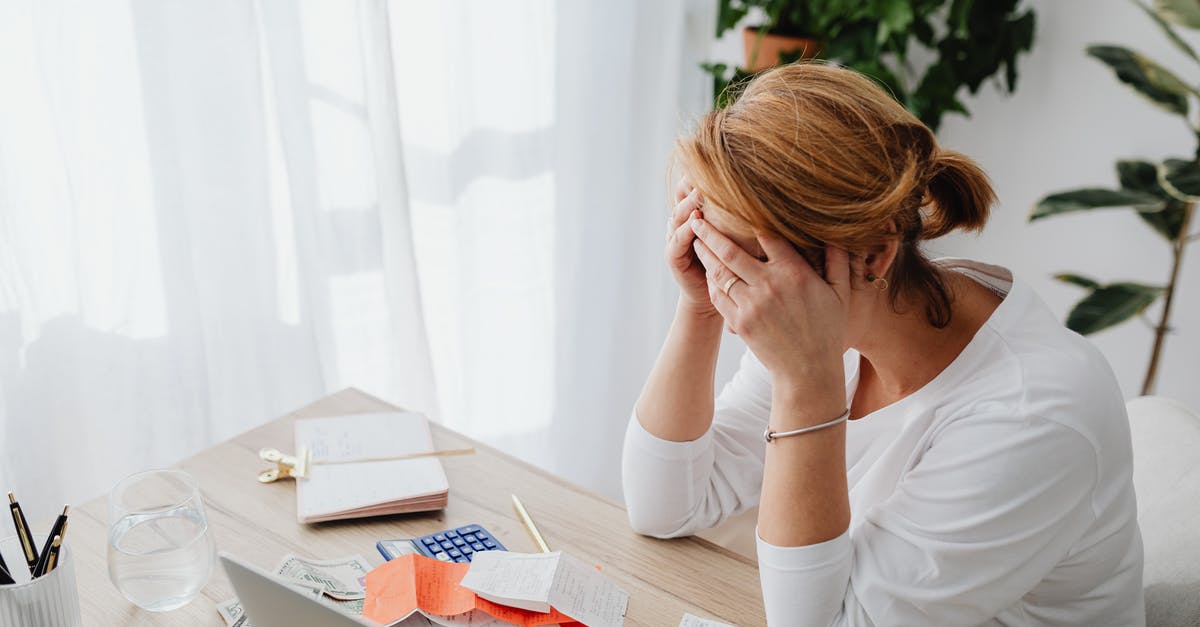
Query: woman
(926, 443)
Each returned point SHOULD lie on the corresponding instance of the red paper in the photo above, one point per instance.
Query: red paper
(412, 582)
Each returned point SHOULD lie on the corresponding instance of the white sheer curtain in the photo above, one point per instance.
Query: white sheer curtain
(202, 226)
(213, 212)
(536, 140)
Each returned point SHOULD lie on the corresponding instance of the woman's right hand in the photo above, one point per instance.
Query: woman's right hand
(681, 256)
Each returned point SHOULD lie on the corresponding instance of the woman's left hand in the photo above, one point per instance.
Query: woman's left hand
(793, 319)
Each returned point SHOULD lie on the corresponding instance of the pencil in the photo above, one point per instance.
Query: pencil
(390, 458)
(528, 522)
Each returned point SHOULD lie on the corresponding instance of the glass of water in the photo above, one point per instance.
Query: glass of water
(160, 552)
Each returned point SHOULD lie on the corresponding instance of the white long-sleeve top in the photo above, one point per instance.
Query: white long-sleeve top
(1000, 493)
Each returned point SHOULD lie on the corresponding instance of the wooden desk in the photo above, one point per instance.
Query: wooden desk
(258, 523)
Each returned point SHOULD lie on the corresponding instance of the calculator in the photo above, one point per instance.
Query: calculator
(451, 545)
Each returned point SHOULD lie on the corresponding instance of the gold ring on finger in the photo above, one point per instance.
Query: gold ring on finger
(729, 284)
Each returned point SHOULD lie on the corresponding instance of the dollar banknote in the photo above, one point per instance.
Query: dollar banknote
(233, 614)
(342, 581)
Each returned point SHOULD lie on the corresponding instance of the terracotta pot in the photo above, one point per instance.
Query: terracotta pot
(772, 46)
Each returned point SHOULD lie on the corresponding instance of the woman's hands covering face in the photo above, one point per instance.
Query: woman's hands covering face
(789, 315)
(680, 256)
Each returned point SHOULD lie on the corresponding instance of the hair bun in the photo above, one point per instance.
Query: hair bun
(961, 195)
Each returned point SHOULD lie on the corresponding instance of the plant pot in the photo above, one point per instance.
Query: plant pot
(772, 46)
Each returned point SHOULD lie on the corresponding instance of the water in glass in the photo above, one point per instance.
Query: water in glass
(159, 557)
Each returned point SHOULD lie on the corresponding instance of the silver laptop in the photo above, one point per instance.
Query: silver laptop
(270, 603)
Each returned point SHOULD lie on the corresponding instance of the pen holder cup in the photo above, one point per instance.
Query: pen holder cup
(51, 600)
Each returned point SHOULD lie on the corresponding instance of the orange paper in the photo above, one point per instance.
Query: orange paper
(415, 582)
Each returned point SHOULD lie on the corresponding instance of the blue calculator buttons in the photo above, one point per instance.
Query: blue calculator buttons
(451, 545)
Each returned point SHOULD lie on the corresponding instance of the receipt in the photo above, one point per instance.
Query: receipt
(539, 581)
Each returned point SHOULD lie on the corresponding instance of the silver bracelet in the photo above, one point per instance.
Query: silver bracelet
(771, 435)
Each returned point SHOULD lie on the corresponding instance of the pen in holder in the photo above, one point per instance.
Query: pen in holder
(51, 600)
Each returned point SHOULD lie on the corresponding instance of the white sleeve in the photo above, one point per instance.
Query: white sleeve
(676, 488)
(988, 510)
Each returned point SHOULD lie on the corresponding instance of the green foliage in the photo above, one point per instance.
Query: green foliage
(1110, 305)
(1174, 37)
(1142, 176)
(1077, 280)
(971, 41)
(723, 80)
(1093, 198)
(1163, 194)
(1106, 305)
(1181, 178)
(1182, 12)
(1150, 79)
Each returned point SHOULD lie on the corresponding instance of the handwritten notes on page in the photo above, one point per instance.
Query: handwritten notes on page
(695, 621)
(542, 581)
(367, 488)
(521, 580)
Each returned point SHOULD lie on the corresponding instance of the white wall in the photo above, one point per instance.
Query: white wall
(1068, 123)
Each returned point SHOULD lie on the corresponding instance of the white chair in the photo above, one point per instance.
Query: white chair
(1166, 475)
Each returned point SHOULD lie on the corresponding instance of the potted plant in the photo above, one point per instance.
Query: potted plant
(790, 31)
(1163, 194)
(971, 41)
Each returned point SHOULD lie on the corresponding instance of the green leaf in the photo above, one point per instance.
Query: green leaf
(896, 17)
(728, 15)
(1093, 198)
(1169, 32)
(1169, 221)
(956, 20)
(1110, 305)
(1139, 175)
(1181, 179)
(1075, 279)
(1150, 79)
(1142, 176)
(1182, 12)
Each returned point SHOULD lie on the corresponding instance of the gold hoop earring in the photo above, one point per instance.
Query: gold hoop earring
(879, 282)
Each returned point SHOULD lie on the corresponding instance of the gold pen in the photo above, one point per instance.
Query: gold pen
(528, 522)
(52, 557)
(59, 531)
(31, 553)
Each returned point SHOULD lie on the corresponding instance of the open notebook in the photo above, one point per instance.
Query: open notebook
(371, 488)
